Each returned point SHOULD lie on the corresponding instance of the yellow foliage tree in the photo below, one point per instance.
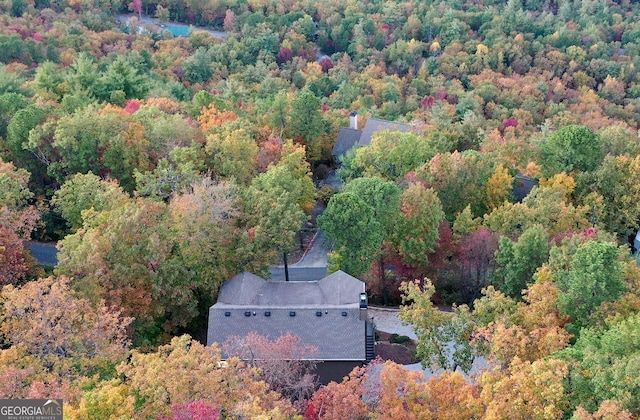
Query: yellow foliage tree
(526, 390)
(498, 187)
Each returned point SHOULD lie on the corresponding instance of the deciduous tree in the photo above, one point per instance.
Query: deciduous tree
(406, 394)
(605, 361)
(443, 338)
(614, 180)
(518, 261)
(64, 332)
(525, 390)
(571, 148)
(285, 363)
(527, 330)
(594, 276)
(416, 233)
(185, 371)
(17, 222)
(351, 222)
(84, 192)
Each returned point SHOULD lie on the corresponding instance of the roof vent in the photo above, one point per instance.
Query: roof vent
(267, 313)
(227, 313)
(344, 313)
(247, 313)
(292, 313)
(319, 313)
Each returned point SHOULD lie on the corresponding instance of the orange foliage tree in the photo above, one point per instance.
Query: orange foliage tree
(59, 336)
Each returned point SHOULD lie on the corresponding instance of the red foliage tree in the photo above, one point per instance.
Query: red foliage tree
(283, 363)
(194, 410)
(326, 64)
(270, 152)
(137, 7)
(132, 106)
(16, 264)
(284, 55)
(476, 261)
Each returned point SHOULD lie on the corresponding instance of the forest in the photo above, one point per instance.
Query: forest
(162, 166)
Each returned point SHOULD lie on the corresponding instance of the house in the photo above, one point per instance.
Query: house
(329, 314)
(351, 136)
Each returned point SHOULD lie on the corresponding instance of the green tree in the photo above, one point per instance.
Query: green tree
(84, 192)
(571, 148)
(383, 197)
(518, 261)
(121, 76)
(204, 227)
(358, 234)
(416, 233)
(594, 276)
(10, 103)
(615, 181)
(197, 68)
(604, 365)
(167, 179)
(104, 141)
(459, 179)
(125, 256)
(306, 124)
(546, 206)
(14, 186)
(391, 155)
(443, 338)
(83, 75)
(232, 155)
(275, 204)
(18, 130)
(48, 80)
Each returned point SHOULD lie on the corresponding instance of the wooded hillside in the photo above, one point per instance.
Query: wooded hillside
(165, 165)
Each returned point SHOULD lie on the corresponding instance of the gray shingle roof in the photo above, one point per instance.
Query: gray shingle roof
(347, 138)
(373, 125)
(326, 313)
(522, 187)
(340, 288)
(241, 288)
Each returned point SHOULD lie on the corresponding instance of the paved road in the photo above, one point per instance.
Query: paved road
(311, 267)
(44, 253)
(316, 256)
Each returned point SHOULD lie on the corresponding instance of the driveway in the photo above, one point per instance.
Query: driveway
(386, 320)
(311, 267)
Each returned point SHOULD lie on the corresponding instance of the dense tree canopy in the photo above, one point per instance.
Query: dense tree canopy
(166, 164)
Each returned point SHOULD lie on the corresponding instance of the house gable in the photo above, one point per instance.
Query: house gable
(340, 288)
(374, 125)
(347, 138)
(241, 288)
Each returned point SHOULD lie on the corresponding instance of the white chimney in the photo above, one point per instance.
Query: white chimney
(364, 302)
(353, 120)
